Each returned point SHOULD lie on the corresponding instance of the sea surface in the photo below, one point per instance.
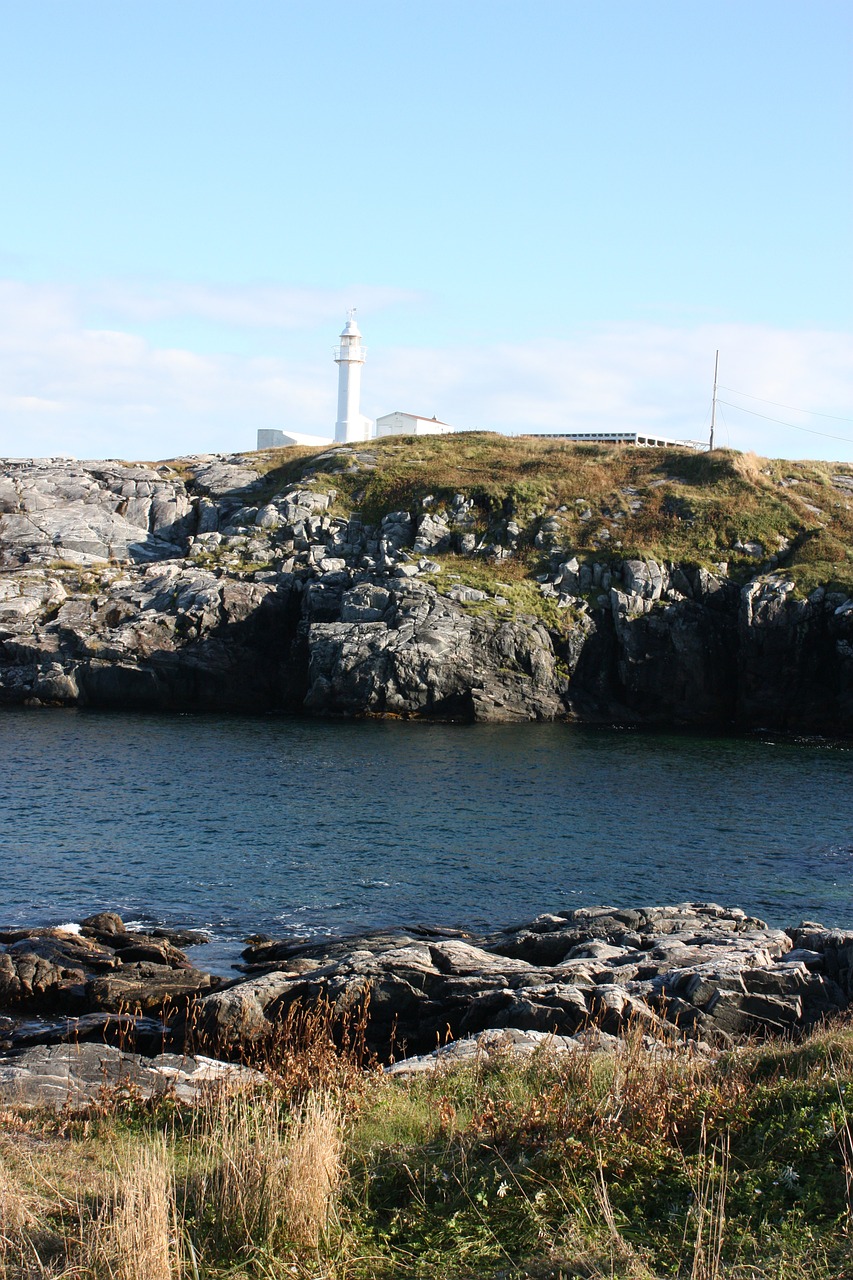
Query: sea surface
(299, 827)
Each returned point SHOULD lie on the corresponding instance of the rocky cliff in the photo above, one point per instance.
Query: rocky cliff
(403, 580)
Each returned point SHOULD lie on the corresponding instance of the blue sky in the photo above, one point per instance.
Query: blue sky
(549, 216)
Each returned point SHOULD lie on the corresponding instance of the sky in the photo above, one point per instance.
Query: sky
(549, 216)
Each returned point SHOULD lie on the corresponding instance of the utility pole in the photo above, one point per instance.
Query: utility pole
(714, 401)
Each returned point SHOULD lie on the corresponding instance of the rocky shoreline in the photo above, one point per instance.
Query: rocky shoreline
(78, 1002)
(204, 586)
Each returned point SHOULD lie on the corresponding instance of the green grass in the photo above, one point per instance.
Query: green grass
(509, 580)
(517, 1169)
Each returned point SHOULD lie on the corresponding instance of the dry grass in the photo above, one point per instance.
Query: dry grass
(314, 1169)
(306, 1046)
(236, 1188)
(637, 1165)
(18, 1219)
(136, 1238)
(262, 1177)
(709, 1208)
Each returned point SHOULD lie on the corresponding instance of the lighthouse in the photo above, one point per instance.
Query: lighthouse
(349, 357)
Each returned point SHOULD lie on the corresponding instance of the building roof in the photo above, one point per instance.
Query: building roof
(421, 417)
(351, 329)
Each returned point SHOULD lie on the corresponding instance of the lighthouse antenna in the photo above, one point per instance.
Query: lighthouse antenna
(714, 401)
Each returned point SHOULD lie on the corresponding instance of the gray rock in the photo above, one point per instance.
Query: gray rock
(692, 970)
(366, 603)
(419, 660)
(496, 1045)
(84, 513)
(643, 578)
(568, 577)
(223, 477)
(99, 968)
(268, 517)
(466, 595)
(75, 1075)
(433, 535)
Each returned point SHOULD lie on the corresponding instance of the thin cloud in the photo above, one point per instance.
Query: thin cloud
(649, 377)
(67, 386)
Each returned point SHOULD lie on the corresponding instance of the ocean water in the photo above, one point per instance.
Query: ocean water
(298, 827)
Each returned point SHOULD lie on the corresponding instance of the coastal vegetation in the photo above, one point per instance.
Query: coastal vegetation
(661, 504)
(638, 1164)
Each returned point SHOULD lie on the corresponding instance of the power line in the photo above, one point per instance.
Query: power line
(813, 412)
(793, 425)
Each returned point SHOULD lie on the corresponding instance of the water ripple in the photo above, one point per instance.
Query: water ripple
(243, 825)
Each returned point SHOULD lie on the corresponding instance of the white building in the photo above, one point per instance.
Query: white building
(410, 424)
(351, 424)
(641, 438)
(268, 438)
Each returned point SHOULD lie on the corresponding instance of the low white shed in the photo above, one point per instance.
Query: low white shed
(410, 424)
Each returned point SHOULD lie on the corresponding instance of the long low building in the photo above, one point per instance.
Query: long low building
(613, 437)
(269, 438)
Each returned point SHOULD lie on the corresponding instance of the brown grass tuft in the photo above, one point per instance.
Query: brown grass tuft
(135, 1239)
(16, 1222)
(265, 1177)
(240, 1160)
(314, 1168)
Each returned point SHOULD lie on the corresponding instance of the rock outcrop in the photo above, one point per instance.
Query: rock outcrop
(694, 971)
(206, 587)
(99, 980)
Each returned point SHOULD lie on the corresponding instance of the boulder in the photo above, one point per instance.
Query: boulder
(433, 535)
(146, 987)
(103, 923)
(492, 1046)
(95, 968)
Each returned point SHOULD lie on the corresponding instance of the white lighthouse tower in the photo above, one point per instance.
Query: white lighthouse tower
(349, 357)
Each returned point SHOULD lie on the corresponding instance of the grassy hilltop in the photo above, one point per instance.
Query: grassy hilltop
(603, 501)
